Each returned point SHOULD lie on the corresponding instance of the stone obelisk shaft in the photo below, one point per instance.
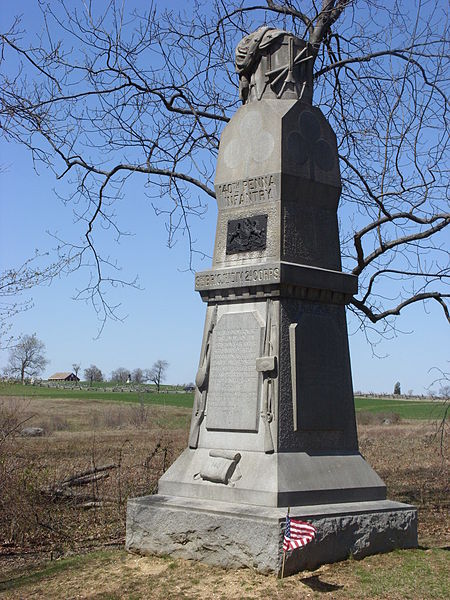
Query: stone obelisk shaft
(273, 423)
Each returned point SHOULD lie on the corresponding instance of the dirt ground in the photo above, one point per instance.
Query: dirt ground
(416, 574)
(50, 537)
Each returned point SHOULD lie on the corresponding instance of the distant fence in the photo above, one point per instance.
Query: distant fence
(129, 387)
(148, 389)
(395, 396)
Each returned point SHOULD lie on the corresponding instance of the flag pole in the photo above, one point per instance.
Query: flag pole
(282, 568)
(284, 551)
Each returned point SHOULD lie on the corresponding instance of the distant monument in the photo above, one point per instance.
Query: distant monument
(273, 423)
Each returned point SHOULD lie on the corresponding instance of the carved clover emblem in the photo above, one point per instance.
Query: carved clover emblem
(306, 144)
(252, 136)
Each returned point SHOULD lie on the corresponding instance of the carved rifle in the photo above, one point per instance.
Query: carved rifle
(201, 382)
(267, 365)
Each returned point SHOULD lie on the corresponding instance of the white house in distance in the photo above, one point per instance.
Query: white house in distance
(64, 377)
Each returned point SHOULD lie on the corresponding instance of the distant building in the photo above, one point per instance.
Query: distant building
(64, 377)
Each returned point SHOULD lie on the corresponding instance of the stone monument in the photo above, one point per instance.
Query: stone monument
(273, 423)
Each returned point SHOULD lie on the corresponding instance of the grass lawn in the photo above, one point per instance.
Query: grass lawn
(404, 408)
(146, 397)
(113, 574)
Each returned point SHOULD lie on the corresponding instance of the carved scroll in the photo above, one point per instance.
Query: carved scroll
(201, 382)
(220, 467)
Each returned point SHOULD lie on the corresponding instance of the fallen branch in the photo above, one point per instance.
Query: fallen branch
(62, 489)
(92, 504)
(83, 476)
(77, 481)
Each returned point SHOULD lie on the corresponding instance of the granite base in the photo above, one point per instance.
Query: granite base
(237, 535)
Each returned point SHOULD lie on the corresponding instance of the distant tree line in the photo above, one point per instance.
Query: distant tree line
(156, 374)
(27, 360)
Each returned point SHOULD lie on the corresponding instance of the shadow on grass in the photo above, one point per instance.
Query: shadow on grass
(33, 577)
(317, 585)
(54, 568)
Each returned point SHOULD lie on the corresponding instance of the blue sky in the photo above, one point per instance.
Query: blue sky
(164, 320)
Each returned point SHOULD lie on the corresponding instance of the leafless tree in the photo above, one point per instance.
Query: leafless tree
(76, 367)
(137, 376)
(93, 373)
(27, 358)
(148, 94)
(120, 375)
(37, 270)
(157, 373)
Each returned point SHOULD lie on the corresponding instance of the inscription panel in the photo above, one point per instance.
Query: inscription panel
(240, 277)
(323, 372)
(246, 235)
(248, 191)
(233, 380)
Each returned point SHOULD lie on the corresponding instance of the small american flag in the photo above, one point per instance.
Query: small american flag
(297, 534)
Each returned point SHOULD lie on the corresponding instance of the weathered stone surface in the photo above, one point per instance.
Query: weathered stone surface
(232, 535)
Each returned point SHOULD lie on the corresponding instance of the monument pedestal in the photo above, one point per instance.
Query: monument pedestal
(273, 424)
(237, 535)
(272, 480)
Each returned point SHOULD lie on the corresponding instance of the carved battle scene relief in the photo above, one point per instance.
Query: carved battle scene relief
(246, 235)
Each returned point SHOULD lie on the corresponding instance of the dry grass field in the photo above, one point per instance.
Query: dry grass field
(63, 499)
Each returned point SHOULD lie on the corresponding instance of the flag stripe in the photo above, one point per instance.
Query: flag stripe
(297, 534)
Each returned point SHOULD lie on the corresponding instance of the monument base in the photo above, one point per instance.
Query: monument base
(238, 535)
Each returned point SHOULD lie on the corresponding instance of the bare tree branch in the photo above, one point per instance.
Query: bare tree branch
(104, 96)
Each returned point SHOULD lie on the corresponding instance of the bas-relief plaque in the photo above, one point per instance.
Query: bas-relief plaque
(232, 402)
(246, 235)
